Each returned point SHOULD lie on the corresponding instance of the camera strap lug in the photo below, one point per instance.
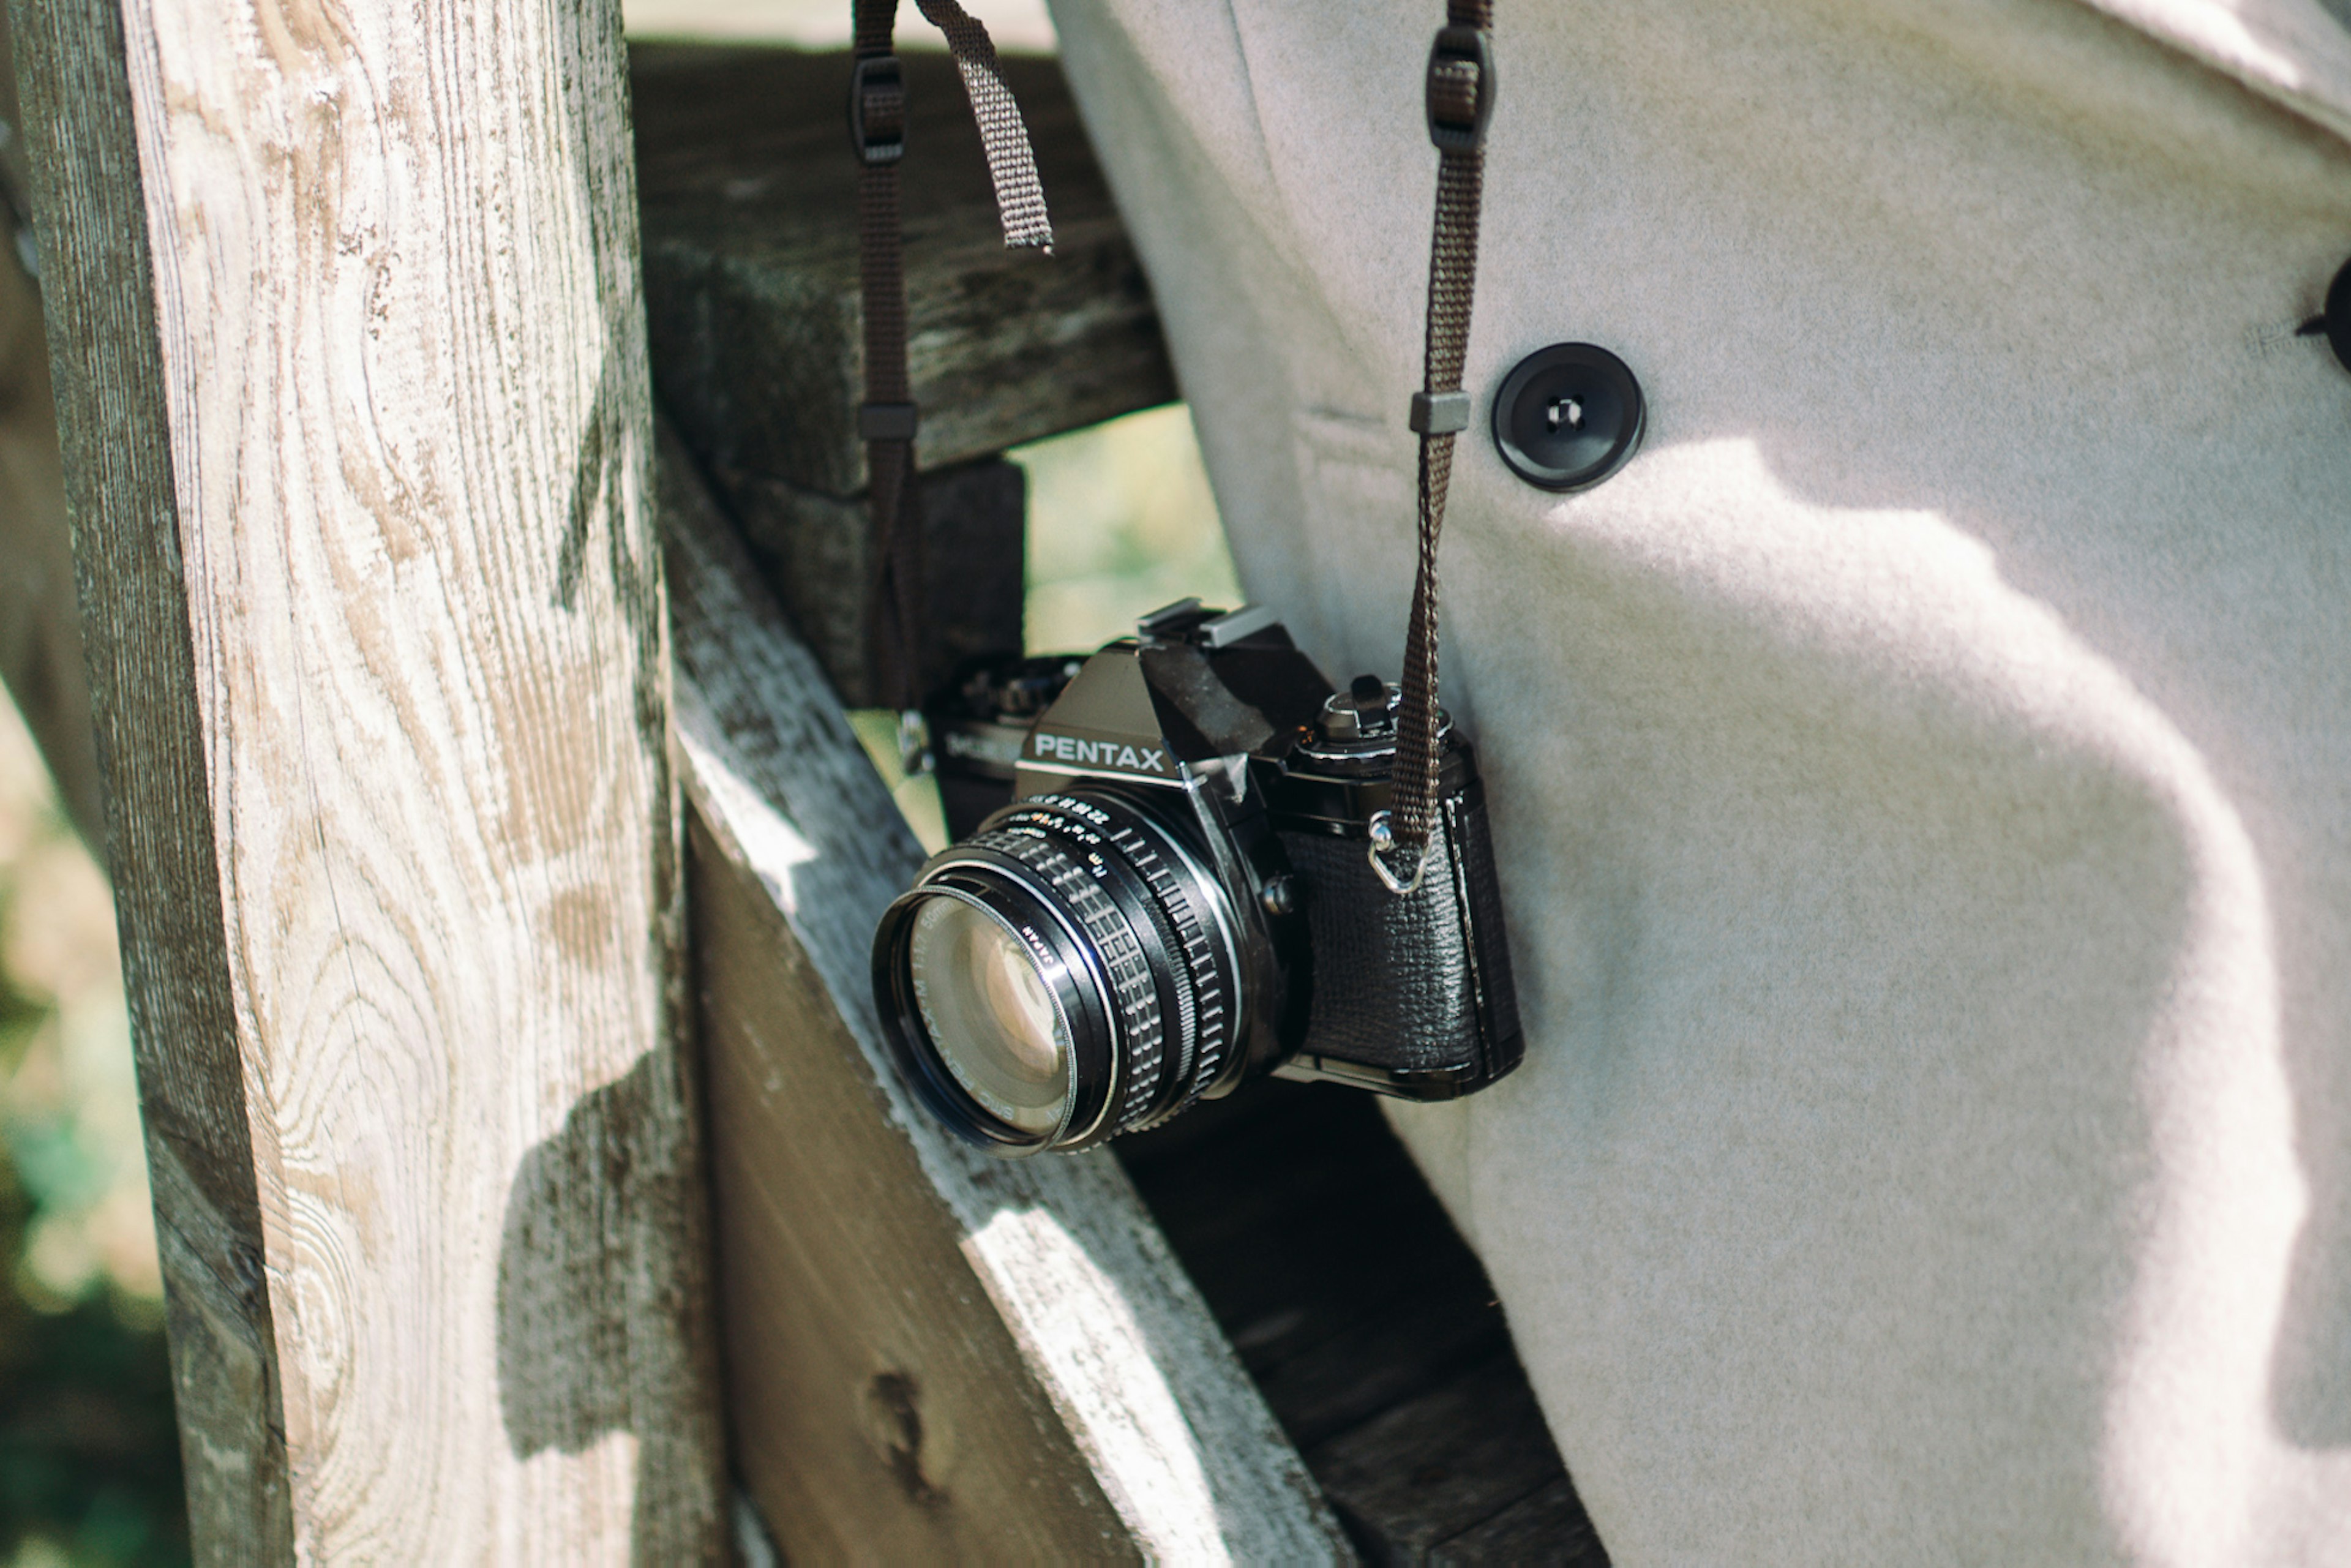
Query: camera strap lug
(1384, 844)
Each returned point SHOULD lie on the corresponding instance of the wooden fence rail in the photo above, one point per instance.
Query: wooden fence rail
(381, 561)
(934, 1356)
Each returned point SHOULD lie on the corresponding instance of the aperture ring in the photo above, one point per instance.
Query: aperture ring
(1202, 995)
(1141, 1024)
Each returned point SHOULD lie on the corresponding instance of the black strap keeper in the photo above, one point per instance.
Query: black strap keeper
(877, 110)
(1460, 51)
(1440, 413)
(885, 422)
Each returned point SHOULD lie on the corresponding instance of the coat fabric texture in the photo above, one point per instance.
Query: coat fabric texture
(1921, 779)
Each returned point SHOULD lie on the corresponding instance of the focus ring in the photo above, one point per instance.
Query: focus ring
(1137, 998)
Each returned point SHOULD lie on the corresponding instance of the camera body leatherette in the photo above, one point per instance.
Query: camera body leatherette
(1417, 986)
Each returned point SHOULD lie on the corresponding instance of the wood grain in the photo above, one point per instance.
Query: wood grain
(936, 1354)
(879, 1410)
(1366, 1322)
(1548, 1529)
(816, 554)
(351, 372)
(115, 431)
(751, 268)
(1426, 1470)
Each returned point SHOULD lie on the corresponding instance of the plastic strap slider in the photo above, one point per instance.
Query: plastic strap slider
(1460, 89)
(877, 110)
(1440, 413)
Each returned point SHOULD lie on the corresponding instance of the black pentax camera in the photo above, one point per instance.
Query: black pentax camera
(1174, 894)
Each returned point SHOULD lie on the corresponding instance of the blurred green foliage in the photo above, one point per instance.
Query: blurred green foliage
(1120, 521)
(89, 1458)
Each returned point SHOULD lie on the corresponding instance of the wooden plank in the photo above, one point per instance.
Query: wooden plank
(880, 1411)
(1548, 1529)
(751, 270)
(1433, 1467)
(350, 363)
(816, 554)
(1365, 1320)
(1411, 1344)
(750, 232)
(112, 423)
(902, 1312)
(1303, 1222)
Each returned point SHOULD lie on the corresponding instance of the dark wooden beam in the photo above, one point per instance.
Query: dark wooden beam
(750, 238)
(1367, 1323)
(749, 196)
(816, 552)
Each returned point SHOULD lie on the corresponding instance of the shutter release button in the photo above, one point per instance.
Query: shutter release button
(1569, 416)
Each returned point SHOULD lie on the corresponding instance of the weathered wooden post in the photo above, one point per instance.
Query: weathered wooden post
(345, 313)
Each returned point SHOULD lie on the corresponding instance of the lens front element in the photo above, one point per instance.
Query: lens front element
(989, 1013)
(1069, 972)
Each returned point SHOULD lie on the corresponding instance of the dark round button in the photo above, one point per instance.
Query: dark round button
(1569, 416)
(2339, 316)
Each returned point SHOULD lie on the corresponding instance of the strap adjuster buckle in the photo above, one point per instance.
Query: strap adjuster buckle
(1460, 89)
(877, 110)
(1440, 412)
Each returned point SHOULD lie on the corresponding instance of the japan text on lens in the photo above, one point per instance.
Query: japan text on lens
(1162, 888)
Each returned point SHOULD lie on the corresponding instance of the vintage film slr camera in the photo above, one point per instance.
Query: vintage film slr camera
(1162, 889)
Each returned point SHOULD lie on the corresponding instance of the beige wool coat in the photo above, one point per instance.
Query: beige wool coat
(1922, 777)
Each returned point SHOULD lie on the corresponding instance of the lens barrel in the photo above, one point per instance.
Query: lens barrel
(1091, 955)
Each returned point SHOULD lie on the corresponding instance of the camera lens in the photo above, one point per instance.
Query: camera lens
(1069, 972)
(983, 998)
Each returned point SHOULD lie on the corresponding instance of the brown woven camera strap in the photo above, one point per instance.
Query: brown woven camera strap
(1460, 101)
(886, 419)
